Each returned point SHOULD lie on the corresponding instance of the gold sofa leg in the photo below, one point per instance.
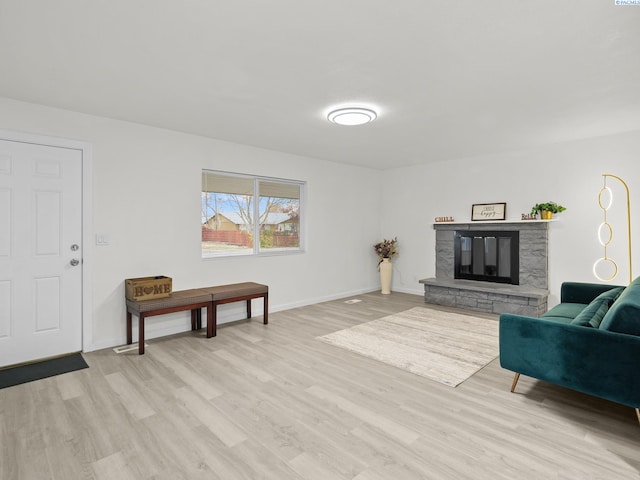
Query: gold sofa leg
(517, 376)
(638, 414)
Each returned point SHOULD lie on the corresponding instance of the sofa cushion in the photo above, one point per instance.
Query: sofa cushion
(624, 314)
(593, 314)
(610, 295)
(565, 310)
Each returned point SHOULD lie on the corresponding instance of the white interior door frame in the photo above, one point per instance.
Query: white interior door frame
(87, 218)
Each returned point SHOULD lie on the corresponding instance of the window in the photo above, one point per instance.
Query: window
(246, 215)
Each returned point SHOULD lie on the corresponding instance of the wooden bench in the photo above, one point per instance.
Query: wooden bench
(236, 292)
(194, 300)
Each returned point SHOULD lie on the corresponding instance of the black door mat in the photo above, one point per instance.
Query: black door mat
(36, 371)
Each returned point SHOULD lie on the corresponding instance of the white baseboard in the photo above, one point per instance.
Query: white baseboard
(409, 290)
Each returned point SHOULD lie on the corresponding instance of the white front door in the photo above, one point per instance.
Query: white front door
(40, 251)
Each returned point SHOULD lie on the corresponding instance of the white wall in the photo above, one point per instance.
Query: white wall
(570, 174)
(146, 198)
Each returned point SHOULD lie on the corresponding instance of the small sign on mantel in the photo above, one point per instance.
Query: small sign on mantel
(486, 212)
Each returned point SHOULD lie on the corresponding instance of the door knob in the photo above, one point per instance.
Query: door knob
(74, 262)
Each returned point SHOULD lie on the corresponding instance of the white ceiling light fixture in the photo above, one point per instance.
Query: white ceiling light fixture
(351, 116)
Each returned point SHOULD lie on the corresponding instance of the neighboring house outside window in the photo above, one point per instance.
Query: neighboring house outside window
(233, 223)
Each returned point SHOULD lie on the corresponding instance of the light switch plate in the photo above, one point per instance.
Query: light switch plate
(102, 239)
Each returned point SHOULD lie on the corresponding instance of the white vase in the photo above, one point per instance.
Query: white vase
(386, 269)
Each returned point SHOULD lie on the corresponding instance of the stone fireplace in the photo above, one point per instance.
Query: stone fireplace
(495, 267)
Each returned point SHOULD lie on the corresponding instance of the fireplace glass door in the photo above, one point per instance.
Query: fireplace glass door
(487, 256)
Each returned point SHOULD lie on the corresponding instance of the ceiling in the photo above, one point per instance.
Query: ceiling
(450, 79)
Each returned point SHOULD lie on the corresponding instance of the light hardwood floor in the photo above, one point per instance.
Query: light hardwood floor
(272, 402)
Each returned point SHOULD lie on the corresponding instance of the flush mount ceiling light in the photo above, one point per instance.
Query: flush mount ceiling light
(352, 116)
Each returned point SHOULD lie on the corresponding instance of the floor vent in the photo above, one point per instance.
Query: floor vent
(128, 348)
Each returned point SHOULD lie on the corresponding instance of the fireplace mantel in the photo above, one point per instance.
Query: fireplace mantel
(528, 298)
(515, 223)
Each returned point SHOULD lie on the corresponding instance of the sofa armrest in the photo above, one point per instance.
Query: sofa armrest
(580, 292)
(589, 360)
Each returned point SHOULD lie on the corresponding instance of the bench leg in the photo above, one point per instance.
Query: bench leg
(196, 319)
(266, 309)
(212, 319)
(141, 334)
(249, 308)
(129, 334)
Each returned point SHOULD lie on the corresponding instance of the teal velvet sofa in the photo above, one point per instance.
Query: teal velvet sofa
(590, 342)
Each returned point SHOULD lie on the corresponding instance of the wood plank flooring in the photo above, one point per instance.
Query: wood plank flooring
(273, 402)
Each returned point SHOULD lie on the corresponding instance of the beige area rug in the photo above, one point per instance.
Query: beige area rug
(442, 346)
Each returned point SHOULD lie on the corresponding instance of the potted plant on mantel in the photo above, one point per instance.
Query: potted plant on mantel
(386, 250)
(547, 209)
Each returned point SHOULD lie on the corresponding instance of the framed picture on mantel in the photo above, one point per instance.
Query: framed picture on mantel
(486, 212)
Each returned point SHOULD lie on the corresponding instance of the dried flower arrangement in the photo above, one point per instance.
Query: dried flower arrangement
(386, 249)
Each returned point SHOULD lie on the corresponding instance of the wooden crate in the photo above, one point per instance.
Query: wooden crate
(146, 288)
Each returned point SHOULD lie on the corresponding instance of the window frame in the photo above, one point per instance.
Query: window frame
(256, 249)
